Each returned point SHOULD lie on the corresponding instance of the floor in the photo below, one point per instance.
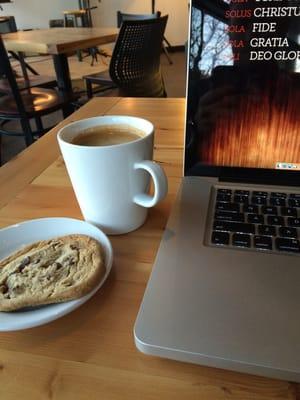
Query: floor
(174, 77)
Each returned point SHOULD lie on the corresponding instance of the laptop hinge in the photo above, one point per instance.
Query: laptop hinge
(262, 179)
(252, 181)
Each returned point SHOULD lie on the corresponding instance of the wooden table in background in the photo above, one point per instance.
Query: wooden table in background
(90, 353)
(59, 42)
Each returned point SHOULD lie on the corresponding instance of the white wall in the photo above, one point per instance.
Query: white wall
(177, 27)
(37, 13)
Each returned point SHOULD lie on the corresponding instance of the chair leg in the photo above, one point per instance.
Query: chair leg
(27, 131)
(167, 54)
(89, 89)
(0, 150)
(16, 57)
(93, 53)
(23, 66)
(39, 124)
(79, 53)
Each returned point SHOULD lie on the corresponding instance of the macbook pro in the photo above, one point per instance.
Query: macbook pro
(225, 287)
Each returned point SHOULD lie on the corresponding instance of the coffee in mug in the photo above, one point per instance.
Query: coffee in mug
(109, 161)
(108, 135)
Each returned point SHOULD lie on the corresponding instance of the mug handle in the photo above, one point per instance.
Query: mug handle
(160, 184)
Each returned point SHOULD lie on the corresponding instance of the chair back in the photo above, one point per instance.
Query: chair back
(135, 62)
(7, 71)
(7, 25)
(56, 23)
(134, 17)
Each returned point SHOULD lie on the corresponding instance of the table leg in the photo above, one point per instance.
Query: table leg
(63, 79)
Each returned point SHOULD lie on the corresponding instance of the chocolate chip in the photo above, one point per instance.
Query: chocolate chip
(3, 289)
(55, 245)
(58, 265)
(69, 260)
(18, 289)
(24, 263)
(74, 247)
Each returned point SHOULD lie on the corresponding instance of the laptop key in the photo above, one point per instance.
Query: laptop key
(294, 203)
(240, 198)
(267, 230)
(233, 207)
(288, 212)
(274, 220)
(263, 242)
(255, 219)
(269, 210)
(241, 240)
(279, 194)
(225, 191)
(291, 245)
(260, 201)
(295, 196)
(277, 201)
(294, 222)
(260, 194)
(223, 197)
(242, 192)
(288, 232)
(250, 208)
(229, 216)
(233, 227)
(220, 238)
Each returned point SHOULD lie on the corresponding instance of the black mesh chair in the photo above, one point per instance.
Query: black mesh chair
(135, 64)
(26, 105)
(56, 23)
(8, 25)
(134, 17)
(121, 17)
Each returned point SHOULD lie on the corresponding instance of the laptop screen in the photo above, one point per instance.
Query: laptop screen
(243, 87)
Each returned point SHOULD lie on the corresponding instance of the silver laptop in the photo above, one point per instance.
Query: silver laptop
(225, 288)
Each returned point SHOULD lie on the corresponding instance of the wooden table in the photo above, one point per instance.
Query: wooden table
(59, 42)
(90, 353)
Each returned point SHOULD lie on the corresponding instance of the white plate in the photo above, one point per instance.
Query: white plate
(16, 236)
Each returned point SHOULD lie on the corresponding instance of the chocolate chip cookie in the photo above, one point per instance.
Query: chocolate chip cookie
(51, 271)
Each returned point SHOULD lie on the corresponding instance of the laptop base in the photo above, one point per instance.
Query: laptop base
(219, 307)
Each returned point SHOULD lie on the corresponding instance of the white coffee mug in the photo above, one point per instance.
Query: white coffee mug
(111, 182)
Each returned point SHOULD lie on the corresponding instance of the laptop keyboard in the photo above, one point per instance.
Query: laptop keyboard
(258, 220)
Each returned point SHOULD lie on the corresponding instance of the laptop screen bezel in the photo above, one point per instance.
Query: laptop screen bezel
(235, 174)
(250, 175)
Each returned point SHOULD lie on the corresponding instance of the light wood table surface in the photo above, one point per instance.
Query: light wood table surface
(90, 353)
(59, 42)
